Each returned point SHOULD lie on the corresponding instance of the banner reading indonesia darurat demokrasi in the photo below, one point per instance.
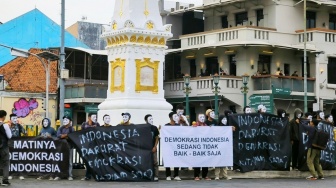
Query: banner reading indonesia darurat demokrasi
(201, 146)
(261, 142)
(118, 153)
(38, 156)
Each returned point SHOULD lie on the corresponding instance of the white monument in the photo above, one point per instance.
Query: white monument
(136, 47)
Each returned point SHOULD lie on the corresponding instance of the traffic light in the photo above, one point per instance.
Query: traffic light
(43, 104)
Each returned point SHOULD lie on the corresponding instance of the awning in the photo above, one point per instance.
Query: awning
(324, 2)
(89, 51)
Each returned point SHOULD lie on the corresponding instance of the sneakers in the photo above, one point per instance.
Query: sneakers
(21, 178)
(51, 178)
(311, 178)
(5, 183)
(39, 178)
(321, 178)
(156, 179)
(228, 178)
(217, 178)
(85, 179)
(207, 179)
(177, 178)
(10, 177)
(57, 178)
(70, 178)
(197, 178)
(168, 178)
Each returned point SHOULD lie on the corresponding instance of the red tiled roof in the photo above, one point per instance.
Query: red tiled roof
(28, 74)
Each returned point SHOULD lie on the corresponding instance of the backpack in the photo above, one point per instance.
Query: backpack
(320, 140)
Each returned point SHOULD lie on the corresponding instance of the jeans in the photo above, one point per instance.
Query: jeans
(70, 162)
(4, 162)
(156, 165)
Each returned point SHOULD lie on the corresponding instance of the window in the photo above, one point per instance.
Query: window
(225, 23)
(332, 21)
(287, 69)
(192, 67)
(264, 64)
(241, 18)
(233, 65)
(260, 16)
(331, 70)
(211, 66)
(311, 19)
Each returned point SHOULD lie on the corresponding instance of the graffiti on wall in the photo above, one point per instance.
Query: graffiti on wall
(23, 107)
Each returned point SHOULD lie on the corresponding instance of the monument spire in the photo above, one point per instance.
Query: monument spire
(136, 47)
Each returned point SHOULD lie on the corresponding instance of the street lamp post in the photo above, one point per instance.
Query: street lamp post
(187, 90)
(305, 55)
(46, 55)
(244, 89)
(216, 89)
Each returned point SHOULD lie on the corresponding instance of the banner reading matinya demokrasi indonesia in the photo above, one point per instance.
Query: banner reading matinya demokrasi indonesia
(197, 146)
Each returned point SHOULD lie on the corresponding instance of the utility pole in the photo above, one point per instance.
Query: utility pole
(305, 55)
(61, 66)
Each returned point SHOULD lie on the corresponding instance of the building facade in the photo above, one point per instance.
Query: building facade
(251, 37)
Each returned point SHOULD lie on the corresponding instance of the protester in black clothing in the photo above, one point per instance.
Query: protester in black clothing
(5, 135)
(174, 120)
(211, 118)
(155, 137)
(294, 136)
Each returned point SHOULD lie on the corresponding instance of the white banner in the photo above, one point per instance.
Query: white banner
(206, 146)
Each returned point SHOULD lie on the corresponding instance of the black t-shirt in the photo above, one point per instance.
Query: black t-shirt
(154, 131)
(211, 123)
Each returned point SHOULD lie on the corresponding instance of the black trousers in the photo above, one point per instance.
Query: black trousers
(197, 172)
(176, 172)
(295, 154)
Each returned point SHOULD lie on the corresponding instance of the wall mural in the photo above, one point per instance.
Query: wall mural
(23, 107)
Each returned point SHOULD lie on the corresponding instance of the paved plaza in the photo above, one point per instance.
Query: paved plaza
(237, 183)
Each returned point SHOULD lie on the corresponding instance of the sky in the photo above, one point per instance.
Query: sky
(96, 11)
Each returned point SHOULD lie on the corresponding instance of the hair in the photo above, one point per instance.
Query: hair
(90, 114)
(227, 112)
(308, 114)
(147, 116)
(12, 115)
(171, 114)
(246, 107)
(67, 117)
(280, 111)
(105, 115)
(327, 116)
(180, 107)
(3, 113)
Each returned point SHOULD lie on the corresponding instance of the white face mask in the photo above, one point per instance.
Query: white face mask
(14, 120)
(176, 118)
(179, 112)
(283, 115)
(66, 121)
(224, 121)
(125, 118)
(46, 123)
(263, 109)
(212, 115)
(107, 120)
(150, 120)
(201, 118)
(298, 116)
(248, 110)
(330, 119)
(321, 115)
(310, 117)
(94, 118)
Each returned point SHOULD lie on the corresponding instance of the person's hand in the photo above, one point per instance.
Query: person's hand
(233, 128)
(154, 149)
(297, 121)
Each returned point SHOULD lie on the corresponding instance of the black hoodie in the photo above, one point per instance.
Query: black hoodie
(294, 126)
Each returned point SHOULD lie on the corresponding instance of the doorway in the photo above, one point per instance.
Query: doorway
(211, 66)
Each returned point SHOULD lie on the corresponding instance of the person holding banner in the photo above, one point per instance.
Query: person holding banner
(211, 118)
(223, 122)
(47, 132)
(205, 170)
(106, 119)
(62, 133)
(174, 121)
(247, 110)
(155, 134)
(17, 130)
(126, 119)
(5, 135)
(182, 118)
(92, 122)
(294, 136)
